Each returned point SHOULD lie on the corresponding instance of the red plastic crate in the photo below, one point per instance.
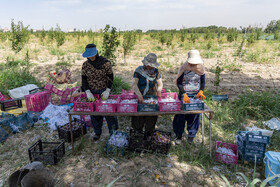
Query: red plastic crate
(225, 158)
(37, 102)
(65, 96)
(57, 91)
(127, 107)
(72, 99)
(1, 97)
(163, 90)
(169, 106)
(87, 120)
(48, 87)
(107, 107)
(84, 106)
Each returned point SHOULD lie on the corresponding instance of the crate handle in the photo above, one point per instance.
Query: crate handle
(268, 165)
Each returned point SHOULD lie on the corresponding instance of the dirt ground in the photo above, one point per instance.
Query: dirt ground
(90, 166)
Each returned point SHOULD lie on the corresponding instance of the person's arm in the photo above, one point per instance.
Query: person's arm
(180, 84)
(85, 84)
(136, 90)
(110, 77)
(202, 82)
(159, 87)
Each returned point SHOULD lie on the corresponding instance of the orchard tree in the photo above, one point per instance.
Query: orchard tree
(19, 36)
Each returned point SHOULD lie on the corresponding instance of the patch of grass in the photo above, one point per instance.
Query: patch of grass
(63, 64)
(157, 48)
(208, 54)
(15, 74)
(233, 67)
(166, 64)
(118, 85)
(56, 51)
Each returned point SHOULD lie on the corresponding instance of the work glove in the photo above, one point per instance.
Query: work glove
(90, 96)
(186, 99)
(200, 95)
(106, 94)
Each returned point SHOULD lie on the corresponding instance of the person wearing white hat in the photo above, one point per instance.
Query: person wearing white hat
(147, 81)
(190, 81)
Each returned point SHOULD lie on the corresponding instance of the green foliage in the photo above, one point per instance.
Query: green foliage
(14, 74)
(129, 41)
(239, 52)
(276, 35)
(272, 26)
(19, 36)
(43, 35)
(218, 72)
(251, 38)
(51, 34)
(110, 43)
(56, 51)
(118, 85)
(91, 36)
(59, 36)
(3, 36)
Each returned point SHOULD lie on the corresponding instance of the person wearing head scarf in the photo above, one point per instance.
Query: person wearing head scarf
(190, 81)
(97, 78)
(147, 81)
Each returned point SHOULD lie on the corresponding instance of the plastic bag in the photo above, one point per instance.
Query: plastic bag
(20, 92)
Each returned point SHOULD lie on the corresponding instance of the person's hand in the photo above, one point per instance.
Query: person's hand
(90, 96)
(106, 94)
(200, 95)
(186, 99)
(140, 99)
(159, 93)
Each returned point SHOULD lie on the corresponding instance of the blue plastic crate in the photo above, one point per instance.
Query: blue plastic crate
(257, 138)
(148, 107)
(219, 97)
(114, 149)
(193, 106)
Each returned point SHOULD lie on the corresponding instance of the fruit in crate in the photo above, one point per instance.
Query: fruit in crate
(109, 101)
(150, 101)
(161, 138)
(86, 100)
(75, 126)
(193, 100)
(128, 101)
(168, 99)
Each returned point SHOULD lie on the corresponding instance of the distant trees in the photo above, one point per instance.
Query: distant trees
(272, 26)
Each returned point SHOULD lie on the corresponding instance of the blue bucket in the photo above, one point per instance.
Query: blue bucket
(272, 166)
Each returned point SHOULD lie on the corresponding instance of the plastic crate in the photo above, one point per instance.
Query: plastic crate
(49, 153)
(1, 97)
(64, 131)
(257, 138)
(169, 106)
(138, 142)
(10, 104)
(163, 90)
(114, 149)
(254, 147)
(57, 91)
(107, 107)
(82, 106)
(158, 145)
(48, 87)
(192, 106)
(72, 98)
(127, 107)
(219, 97)
(225, 158)
(87, 120)
(272, 166)
(148, 107)
(251, 157)
(37, 102)
(65, 95)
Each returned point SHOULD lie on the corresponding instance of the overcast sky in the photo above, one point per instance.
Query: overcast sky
(138, 14)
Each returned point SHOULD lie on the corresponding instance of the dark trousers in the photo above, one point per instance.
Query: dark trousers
(149, 122)
(179, 122)
(97, 122)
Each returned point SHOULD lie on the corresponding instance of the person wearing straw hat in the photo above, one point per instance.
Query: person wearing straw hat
(147, 81)
(190, 81)
(97, 78)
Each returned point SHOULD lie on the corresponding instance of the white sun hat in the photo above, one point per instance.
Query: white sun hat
(194, 57)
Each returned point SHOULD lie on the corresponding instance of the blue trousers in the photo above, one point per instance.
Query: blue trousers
(179, 122)
(97, 122)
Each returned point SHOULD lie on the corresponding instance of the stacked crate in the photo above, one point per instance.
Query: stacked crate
(251, 145)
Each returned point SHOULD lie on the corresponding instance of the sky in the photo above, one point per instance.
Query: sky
(138, 14)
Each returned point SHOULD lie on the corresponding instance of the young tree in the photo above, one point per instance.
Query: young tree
(110, 43)
(59, 36)
(19, 36)
(128, 43)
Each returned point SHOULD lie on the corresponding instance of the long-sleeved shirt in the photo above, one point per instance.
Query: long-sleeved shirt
(190, 82)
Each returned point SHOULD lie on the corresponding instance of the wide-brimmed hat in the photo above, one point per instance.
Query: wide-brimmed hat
(194, 57)
(90, 51)
(151, 60)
